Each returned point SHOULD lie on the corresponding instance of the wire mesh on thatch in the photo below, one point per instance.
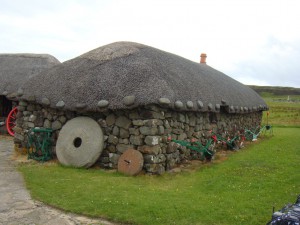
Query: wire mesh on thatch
(125, 75)
(16, 69)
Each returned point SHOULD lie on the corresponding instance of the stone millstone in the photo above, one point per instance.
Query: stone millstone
(80, 142)
(131, 162)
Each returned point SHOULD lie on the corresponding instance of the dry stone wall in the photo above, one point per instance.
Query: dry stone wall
(145, 129)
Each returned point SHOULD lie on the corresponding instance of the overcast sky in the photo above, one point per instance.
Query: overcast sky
(253, 41)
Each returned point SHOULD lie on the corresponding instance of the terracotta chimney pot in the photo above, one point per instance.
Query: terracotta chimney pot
(203, 58)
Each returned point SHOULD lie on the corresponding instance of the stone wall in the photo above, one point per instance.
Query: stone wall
(145, 129)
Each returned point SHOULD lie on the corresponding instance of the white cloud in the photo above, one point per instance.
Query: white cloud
(235, 34)
(276, 63)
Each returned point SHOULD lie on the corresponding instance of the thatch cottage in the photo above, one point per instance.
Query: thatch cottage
(15, 70)
(131, 96)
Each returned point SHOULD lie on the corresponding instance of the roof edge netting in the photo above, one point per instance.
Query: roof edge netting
(125, 75)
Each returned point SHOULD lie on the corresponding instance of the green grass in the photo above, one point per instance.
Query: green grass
(282, 113)
(240, 190)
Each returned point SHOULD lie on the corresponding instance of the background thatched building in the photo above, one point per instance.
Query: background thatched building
(15, 70)
(139, 96)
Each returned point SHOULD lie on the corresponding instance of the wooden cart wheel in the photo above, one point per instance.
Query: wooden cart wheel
(11, 121)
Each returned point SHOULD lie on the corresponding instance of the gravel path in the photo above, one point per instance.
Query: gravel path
(16, 205)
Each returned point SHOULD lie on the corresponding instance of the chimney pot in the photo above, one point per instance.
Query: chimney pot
(203, 58)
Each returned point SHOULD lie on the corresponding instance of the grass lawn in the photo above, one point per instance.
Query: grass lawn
(240, 190)
(283, 113)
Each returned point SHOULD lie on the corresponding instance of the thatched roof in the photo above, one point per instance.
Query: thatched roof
(16, 69)
(125, 75)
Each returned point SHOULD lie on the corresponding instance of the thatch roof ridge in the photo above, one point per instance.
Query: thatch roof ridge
(125, 75)
(31, 55)
(17, 68)
(112, 51)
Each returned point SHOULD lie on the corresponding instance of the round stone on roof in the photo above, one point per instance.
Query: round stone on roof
(178, 105)
(102, 103)
(129, 100)
(189, 104)
(60, 104)
(210, 106)
(5, 92)
(218, 107)
(200, 104)
(45, 101)
(164, 101)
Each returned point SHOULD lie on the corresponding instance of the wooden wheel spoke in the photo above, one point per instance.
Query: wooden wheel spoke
(11, 121)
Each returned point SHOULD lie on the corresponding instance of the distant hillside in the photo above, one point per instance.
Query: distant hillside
(279, 91)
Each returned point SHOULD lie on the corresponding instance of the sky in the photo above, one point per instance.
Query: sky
(253, 41)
